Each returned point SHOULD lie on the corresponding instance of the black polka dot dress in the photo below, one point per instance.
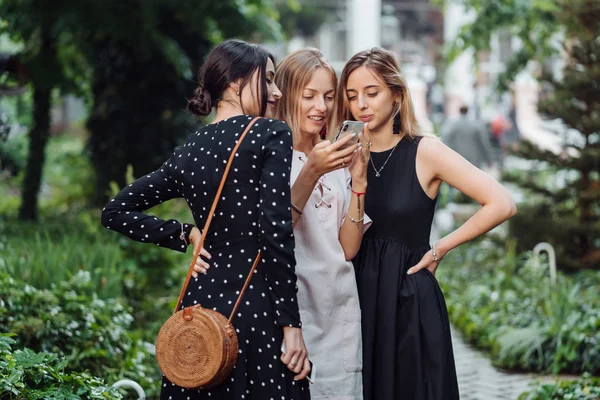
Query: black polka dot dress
(253, 213)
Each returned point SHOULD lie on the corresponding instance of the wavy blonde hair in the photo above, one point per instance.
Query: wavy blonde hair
(293, 74)
(384, 64)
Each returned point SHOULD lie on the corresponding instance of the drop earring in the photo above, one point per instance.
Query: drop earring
(323, 133)
(397, 128)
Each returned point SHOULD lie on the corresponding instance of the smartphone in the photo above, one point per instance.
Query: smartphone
(354, 128)
(311, 375)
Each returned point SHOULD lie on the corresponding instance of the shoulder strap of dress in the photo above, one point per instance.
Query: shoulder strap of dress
(413, 144)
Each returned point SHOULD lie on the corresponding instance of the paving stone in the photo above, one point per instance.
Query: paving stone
(478, 379)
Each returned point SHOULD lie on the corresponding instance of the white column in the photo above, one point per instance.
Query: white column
(364, 25)
(460, 75)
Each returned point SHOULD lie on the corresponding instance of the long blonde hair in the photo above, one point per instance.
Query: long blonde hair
(383, 63)
(293, 74)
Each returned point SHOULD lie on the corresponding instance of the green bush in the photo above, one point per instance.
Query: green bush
(68, 176)
(50, 256)
(145, 277)
(542, 222)
(505, 304)
(586, 388)
(13, 153)
(26, 375)
(9, 199)
(72, 322)
(69, 238)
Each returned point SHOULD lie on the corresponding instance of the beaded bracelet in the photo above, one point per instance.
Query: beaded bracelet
(354, 220)
(358, 194)
(434, 254)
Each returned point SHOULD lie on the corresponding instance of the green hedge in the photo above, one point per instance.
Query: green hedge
(27, 375)
(13, 153)
(72, 322)
(128, 288)
(143, 276)
(587, 388)
(505, 304)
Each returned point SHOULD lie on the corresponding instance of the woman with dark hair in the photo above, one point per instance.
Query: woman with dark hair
(407, 347)
(253, 213)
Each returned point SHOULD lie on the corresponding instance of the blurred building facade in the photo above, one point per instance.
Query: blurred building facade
(416, 31)
(471, 83)
(411, 29)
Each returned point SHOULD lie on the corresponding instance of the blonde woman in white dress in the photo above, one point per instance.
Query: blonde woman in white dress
(328, 193)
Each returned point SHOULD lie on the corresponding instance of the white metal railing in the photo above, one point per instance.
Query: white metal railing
(131, 384)
(548, 248)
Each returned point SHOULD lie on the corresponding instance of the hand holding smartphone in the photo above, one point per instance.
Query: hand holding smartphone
(354, 128)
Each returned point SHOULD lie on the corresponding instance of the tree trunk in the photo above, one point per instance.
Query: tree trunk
(40, 131)
(126, 125)
(38, 138)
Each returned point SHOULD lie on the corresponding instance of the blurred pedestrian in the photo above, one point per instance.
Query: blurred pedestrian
(470, 139)
(512, 134)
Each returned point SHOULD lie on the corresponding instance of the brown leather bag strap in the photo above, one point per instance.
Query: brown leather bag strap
(209, 219)
(239, 299)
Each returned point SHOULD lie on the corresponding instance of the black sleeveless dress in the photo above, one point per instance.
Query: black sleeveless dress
(407, 349)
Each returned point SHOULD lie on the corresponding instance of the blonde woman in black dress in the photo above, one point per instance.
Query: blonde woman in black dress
(253, 213)
(407, 347)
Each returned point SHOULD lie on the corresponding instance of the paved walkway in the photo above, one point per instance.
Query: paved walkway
(479, 380)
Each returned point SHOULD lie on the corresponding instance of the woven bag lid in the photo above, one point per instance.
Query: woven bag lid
(191, 349)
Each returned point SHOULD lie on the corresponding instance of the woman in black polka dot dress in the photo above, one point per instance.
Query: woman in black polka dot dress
(253, 213)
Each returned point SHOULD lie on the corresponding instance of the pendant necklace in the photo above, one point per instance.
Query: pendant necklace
(378, 172)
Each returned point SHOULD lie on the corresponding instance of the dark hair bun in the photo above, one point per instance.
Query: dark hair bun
(201, 103)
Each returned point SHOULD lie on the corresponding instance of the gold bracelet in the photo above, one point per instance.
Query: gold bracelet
(295, 208)
(354, 220)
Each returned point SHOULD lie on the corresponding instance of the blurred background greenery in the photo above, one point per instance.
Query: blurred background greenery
(92, 95)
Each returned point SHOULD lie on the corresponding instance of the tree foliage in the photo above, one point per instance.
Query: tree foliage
(141, 81)
(304, 19)
(534, 22)
(25, 374)
(135, 62)
(568, 213)
(71, 322)
(574, 99)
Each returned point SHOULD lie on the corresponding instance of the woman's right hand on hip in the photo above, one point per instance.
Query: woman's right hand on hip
(201, 265)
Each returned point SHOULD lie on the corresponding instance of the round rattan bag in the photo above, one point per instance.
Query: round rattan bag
(197, 348)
